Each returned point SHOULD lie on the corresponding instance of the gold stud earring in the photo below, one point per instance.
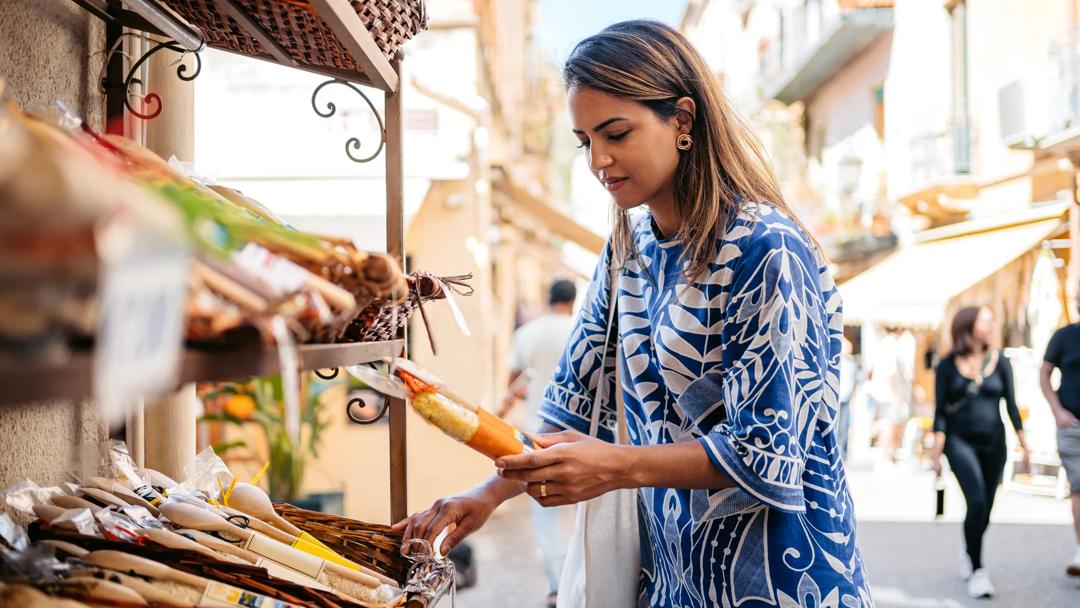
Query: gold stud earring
(684, 142)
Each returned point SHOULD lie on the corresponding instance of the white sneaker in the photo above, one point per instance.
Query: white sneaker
(1073, 569)
(979, 585)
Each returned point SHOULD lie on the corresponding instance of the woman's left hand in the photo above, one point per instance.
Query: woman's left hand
(570, 467)
(1025, 462)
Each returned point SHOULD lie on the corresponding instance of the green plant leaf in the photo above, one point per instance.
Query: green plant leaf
(265, 420)
(220, 417)
(222, 448)
(313, 415)
(288, 462)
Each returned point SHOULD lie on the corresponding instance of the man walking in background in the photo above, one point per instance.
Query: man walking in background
(1063, 353)
(849, 379)
(891, 385)
(534, 354)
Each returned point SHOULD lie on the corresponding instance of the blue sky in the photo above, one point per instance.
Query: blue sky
(562, 23)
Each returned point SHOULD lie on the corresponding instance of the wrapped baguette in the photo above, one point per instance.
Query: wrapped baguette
(457, 417)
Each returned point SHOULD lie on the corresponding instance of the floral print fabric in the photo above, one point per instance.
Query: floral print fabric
(745, 360)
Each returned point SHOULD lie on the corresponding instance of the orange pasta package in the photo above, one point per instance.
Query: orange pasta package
(456, 416)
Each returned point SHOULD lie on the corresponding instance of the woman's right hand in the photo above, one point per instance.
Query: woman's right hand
(465, 513)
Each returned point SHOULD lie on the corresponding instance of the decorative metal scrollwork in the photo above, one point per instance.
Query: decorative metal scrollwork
(359, 402)
(153, 100)
(330, 376)
(353, 143)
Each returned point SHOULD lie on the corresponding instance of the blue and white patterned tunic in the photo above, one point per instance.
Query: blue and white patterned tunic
(745, 361)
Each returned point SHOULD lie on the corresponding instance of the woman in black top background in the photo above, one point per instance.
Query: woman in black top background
(970, 384)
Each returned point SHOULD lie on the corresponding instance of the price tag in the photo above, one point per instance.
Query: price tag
(140, 339)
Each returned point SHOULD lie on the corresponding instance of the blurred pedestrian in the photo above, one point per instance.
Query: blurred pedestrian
(891, 378)
(1063, 353)
(970, 384)
(849, 379)
(534, 353)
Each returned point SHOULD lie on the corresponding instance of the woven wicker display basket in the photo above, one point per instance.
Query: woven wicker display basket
(382, 318)
(369, 277)
(377, 547)
(253, 578)
(297, 27)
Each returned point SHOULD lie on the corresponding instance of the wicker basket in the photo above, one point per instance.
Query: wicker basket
(382, 319)
(253, 578)
(377, 547)
(296, 26)
(369, 277)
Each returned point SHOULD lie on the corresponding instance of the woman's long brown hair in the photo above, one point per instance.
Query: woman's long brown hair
(963, 329)
(654, 64)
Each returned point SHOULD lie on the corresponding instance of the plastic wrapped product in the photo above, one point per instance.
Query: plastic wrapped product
(476, 428)
(445, 409)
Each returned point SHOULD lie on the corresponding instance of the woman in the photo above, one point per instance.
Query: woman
(970, 384)
(730, 338)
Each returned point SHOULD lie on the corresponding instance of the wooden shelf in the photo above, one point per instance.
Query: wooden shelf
(21, 385)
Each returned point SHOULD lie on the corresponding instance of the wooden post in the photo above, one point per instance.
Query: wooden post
(169, 421)
(395, 246)
(169, 432)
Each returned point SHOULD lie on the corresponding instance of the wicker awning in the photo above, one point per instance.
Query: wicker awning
(354, 41)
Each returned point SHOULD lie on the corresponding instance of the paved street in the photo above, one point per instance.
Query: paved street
(913, 561)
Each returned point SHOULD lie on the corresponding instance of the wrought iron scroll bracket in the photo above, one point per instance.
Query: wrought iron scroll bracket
(333, 374)
(151, 104)
(383, 411)
(352, 145)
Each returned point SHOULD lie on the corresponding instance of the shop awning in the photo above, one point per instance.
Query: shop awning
(912, 287)
(1062, 143)
(555, 220)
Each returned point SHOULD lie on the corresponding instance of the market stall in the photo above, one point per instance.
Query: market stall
(124, 277)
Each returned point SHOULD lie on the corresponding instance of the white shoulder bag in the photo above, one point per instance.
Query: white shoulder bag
(603, 561)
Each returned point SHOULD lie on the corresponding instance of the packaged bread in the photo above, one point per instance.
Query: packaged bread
(456, 416)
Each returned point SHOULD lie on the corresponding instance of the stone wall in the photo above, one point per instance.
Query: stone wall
(45, 55)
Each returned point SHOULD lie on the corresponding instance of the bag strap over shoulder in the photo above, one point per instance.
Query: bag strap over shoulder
(975, 385)
(622, 433)
(612, 334)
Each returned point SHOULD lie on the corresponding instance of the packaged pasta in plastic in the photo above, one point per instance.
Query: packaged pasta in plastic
(441, 406)
(12, 535)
